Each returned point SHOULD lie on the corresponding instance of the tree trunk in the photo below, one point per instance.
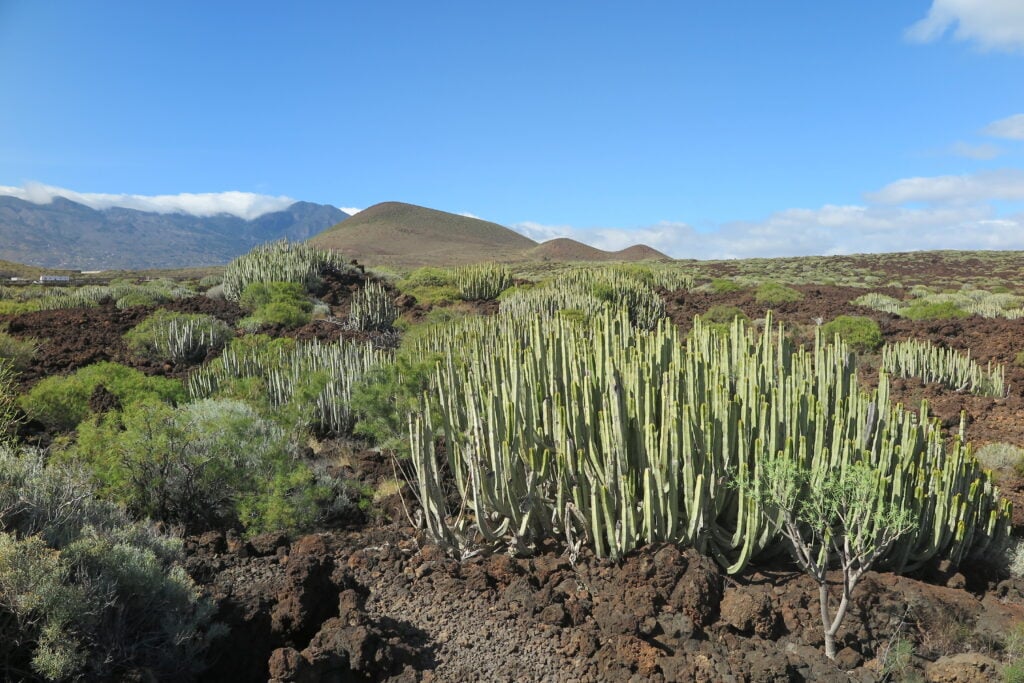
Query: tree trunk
(826, 621)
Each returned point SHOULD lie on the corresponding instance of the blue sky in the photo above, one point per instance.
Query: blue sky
(712, 129)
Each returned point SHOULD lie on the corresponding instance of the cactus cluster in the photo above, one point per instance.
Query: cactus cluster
(372, 308)
(970, 301)
(589, 290)
(879, 302)
(281, 261)
(622, 437)
(286, 375)
(667, 276)
(482, 282)
(178, 337)
(948, 367)
(123, 294)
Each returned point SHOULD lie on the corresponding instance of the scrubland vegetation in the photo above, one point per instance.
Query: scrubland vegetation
(576, 413)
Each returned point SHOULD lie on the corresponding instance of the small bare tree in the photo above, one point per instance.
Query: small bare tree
(843, 516)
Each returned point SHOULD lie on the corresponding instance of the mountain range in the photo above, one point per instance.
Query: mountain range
(68, 235)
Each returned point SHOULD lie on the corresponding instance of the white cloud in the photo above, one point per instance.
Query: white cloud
(981, 152)
(245, 205)
(467, 214)
(662, 236)
(351, 211)
(1003, 184)
(992, 24)
(912, 214)
(542, 233)
(1011, 128)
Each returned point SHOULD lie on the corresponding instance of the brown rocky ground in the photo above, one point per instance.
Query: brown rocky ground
(375, 601)
(378, 604)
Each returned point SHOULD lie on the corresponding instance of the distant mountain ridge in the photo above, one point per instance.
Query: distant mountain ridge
(399, 234)
(66, 234)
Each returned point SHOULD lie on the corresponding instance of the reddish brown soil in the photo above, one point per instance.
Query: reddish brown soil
(378, 605)
(376, 602)
(73, 338)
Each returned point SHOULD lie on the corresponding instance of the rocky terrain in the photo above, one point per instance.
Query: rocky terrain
(373, 599)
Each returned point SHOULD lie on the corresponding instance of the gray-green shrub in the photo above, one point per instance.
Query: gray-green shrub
(18, 351)
(86, 593)
(207, 464)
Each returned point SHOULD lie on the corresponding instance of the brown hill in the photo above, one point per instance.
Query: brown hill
(640, 252)
(398, 234)
(565, 249)
(394, 233)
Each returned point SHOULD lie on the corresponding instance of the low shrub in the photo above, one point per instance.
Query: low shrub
(86, 593)
(19, 352)
(431, 286)
(723, 285)
(386, 397)
(276, 303)
(1013, 673)
(862, 334)
(208, 464)
(1001, 456)
(8, 401)
(775, 293)
(925, 310)
(62, 402)
(724, 314)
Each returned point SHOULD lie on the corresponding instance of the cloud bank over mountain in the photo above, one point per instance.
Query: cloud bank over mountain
(245, 205)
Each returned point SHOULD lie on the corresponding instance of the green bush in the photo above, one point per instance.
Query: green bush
(18, 351)
(260, 294)
(860, 333)
(62, 402)
(208, 464)
(1018, 360)
(724, 314)
(431, 286)
(724, 286)
(924, 310)
(775, 293)
(178, 337)
(1013, 673)
(278, 313)
(429, 277)
(135, 299)
(8, 401)
(85, 593)
(386, 397)
(276, 303)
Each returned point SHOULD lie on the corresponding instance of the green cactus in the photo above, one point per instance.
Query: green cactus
(634, 434)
